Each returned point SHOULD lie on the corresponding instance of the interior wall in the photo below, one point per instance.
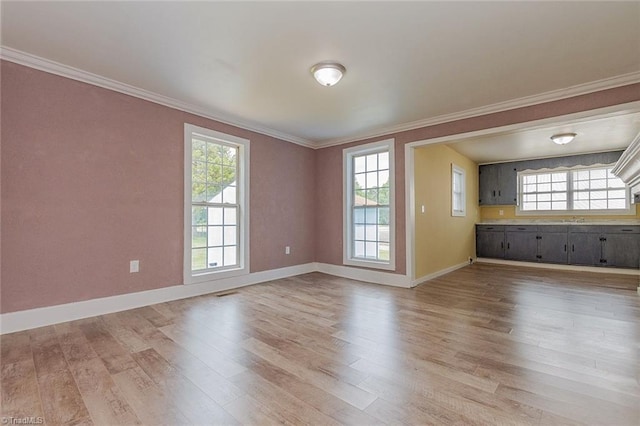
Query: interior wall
(92, 179)
(329, 162)
(442, 240)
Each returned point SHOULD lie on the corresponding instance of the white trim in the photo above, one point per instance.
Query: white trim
(439, 273)
(244, 196)
(602, 270)
(367, 275)
(551, 96)
(347, 185)
(628, 166)
(410, 209)
(52, 67)
(39, 317)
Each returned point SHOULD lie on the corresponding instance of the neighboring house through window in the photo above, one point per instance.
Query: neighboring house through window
(216, 204)
(369, 205)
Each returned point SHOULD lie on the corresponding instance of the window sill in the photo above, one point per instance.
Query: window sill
(215, 275)
(631, 211)
(372, 264)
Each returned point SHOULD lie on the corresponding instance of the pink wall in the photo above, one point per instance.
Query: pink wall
(329, 163)
(92, 178)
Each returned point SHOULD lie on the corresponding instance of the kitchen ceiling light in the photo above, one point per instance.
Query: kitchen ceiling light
(328, 73)
(563, 138)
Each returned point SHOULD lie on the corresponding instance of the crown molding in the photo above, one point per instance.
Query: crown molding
(554, 95)
(52, 67)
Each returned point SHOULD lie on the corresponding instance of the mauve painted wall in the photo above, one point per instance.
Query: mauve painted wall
(329, 163)
(92, 178)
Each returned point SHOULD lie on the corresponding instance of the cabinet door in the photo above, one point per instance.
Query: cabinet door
(622, 250)
(552, 247)
(507, 185)
(585, 249)
(488, 184)
(522, 246)
(490, 244)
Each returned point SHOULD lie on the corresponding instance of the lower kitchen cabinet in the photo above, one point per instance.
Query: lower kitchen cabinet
(585, 248)
(552, 247)
(490, 241)
(588, 245)
(522, 243)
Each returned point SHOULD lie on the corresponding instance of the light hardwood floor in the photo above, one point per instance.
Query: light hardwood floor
(483, 345)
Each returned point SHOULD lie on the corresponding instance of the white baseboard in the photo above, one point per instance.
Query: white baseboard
(39, 317)
(601, 270)
(437, 274)
(377, 277)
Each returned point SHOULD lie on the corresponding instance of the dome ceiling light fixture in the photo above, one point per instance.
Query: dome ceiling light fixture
(328, 73)
(563, 138)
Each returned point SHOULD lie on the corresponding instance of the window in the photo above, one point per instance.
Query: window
(458, 191)
(216, 204)
(584, 190)
(369, 223)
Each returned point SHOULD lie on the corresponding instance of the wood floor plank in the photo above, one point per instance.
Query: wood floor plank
(484, 345)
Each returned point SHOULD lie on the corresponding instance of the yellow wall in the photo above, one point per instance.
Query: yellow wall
(442, 240)
(509, 212)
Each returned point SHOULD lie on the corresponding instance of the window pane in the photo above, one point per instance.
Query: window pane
(371, 233)
(383, 215)
(372, 162)
(214, 193)
(559, 186)
(359, 164)
(616, 183)
(360, 181)
(229, 156)
(214, 236)
(558, 177)
(544, 178)
(372, 197)
(230, 256)
(598, 174)
(358, 249)
(544, 206)
(559, 205)
(230, 216)
(383, 161)
(215, 215)
(371, 215)
(599, 184)
(359, 232)
(598, 204)
(198, 215)
(198, 191)
(383, 233)
(198, 236)
(230, 236)
(544, 187)
(528, 206)
(358, 215)
(530, 188)
(198, 150)
(214, 257)
(371, 250)
(581, 205)
(229, 195)
(198, 259)
(544, 197)
(559, 196)
(372, 180)
(617, 194)
(529, 179)
(617, 204)
(383, 178)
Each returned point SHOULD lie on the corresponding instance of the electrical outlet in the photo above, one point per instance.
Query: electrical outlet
(501, 212)
(287, 250)
(422, 208)
(134, 266)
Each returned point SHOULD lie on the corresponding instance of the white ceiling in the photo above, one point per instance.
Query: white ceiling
(248, 62)
(598, 134)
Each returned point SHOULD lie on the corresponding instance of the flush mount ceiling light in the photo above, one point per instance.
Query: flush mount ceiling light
(563, 138)
(328, 73)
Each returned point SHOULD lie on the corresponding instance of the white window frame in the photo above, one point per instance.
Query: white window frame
(243, 145)
(459, 171)
(348, 203)
(630, 210)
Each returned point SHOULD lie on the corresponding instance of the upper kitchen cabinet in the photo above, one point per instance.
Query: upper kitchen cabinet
(498, 184)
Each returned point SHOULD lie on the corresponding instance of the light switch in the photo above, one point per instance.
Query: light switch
(134, 266)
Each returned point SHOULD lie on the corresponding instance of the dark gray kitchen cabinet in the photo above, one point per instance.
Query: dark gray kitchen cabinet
(585, 248)
(522, 243)
(498, 184)
(490, 241)
(621, 247)
(552, 245)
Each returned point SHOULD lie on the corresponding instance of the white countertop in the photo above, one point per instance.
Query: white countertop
(559, 222)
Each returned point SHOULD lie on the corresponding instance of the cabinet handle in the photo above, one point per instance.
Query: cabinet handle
(499, 193)
(490, 227)
(501, 244)
(565, 247)
(508, 246)
(627, 230)
(573, 247)
(494, 193)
